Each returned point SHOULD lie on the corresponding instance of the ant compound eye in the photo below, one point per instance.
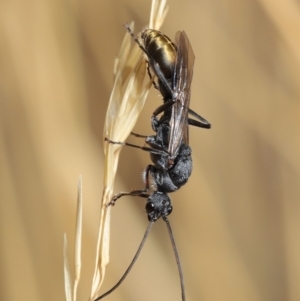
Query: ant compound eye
(150, 207)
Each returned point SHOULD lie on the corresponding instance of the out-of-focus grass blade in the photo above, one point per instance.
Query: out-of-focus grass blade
(70, 286)
(78, 239)
(67, 273)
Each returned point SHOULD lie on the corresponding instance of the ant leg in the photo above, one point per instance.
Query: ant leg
(144, 148)
(147, 149)
(163, 107)
(199, 124)
(141, 193)
(160, 109)
(202, 122)
(138, 135)
(154, 65)
(160, 75)
(151, 76)
(155, 147)
(145, 51)
(135, 39)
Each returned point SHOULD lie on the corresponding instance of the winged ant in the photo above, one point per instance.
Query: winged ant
(169, 148)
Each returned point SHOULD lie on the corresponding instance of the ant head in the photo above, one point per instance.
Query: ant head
(158, 205)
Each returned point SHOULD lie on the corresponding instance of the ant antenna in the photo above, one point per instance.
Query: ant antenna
(176, 257)
(131, 264)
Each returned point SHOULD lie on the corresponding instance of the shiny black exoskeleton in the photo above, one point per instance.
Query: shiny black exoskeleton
(161, 54)
(169, 149)
(166, 59)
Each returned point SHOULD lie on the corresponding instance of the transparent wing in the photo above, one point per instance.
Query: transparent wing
(181, 93)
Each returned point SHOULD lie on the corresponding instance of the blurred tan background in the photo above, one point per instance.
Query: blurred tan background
(236, 222)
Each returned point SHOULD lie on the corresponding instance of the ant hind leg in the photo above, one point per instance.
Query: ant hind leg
(135, 38)
(141, 192)
(151, 76)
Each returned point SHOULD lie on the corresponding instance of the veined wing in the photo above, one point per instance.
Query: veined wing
(181, 93)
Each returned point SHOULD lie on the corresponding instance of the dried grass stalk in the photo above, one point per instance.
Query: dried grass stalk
(78, 240)
(70, 285)
(67, 272)
(126, 102)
